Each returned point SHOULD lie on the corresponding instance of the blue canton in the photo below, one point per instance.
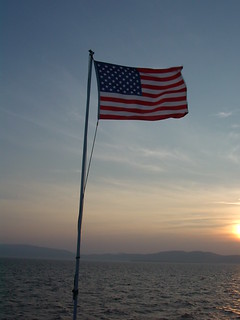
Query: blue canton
(118, 79)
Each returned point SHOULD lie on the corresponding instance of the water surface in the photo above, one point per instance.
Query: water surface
(41, 289)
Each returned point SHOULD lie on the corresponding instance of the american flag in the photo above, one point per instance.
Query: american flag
(127, 93)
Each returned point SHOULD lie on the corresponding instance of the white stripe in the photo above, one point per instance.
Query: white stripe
(157, 113)
(140, 107)
(146, 99)
(162, 83)
(164, 90)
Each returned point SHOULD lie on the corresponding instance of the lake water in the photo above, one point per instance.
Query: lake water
(38, 289)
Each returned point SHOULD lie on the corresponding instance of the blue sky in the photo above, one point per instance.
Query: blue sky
(153, 186)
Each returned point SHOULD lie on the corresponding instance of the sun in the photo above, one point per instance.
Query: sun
(237, 230)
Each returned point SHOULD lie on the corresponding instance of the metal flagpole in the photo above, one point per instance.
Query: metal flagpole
(83, 176)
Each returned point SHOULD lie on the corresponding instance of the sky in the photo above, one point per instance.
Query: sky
(153, 186)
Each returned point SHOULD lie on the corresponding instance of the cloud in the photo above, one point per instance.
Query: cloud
(129, 160)
(234, 155)
(142, 159)
(164, 154)
(234, 135)
(235, 126)
(224, 114)
(45, 124)
(229, 203)
(200, 223)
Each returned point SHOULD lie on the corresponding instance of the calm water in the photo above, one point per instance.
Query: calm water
(31, 289)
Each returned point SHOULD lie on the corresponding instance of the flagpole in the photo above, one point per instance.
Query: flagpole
(83, 176)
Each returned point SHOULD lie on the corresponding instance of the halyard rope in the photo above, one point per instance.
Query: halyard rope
(90, 159)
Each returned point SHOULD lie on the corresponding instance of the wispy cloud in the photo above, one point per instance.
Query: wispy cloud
(131, 160)
(237, 203)
(40, 123)
(234, 135)
(234, 155)
(203, 223)
(224, 114)
(164, 154)
(235, 126)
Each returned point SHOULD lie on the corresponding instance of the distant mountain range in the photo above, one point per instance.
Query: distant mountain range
(167, 257)
(34, 252)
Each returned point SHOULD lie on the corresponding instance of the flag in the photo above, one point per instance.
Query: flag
(128, 93)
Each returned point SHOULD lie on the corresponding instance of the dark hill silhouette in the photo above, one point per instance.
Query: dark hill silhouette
(34, 252)
(167, 257)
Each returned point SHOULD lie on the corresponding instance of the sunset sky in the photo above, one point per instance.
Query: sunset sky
(153, 186)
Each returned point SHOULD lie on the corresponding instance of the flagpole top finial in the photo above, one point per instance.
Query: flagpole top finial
(91, 53)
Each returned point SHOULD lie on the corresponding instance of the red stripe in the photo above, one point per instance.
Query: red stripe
(148, 70)
(136, 110)
(151, 78)
(157, 95)
(141, 102)
(147, 118)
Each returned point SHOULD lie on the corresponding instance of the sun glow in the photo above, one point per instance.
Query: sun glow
(237, 230)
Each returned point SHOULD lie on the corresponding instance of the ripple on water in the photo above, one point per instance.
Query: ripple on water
(39, 290)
